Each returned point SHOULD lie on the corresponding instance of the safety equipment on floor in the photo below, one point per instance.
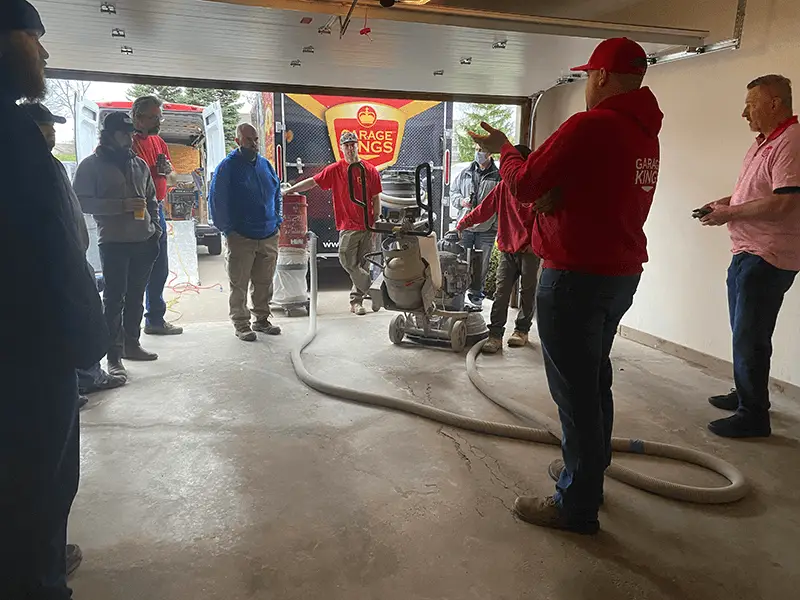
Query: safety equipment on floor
(550, 434)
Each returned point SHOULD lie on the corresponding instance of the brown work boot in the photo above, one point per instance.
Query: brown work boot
(493, 345)
(244, 333)
(545, 512)
(358, 309)
(264, 326)
(518, 340)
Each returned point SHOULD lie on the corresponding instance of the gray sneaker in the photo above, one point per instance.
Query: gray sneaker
(266, 327)
(246, 334)
(165, 328)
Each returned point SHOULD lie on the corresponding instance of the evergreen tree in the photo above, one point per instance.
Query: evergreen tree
(498, 116)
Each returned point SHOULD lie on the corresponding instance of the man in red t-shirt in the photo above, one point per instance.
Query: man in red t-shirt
(591, 184)
(354, 239)
(152, 149)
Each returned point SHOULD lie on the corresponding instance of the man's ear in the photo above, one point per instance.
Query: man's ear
(602, 78)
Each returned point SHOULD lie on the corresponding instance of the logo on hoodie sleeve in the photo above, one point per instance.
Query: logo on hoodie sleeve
(647, 173)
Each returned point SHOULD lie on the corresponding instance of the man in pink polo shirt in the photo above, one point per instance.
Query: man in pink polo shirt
(763, 218)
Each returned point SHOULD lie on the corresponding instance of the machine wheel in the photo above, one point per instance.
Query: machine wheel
(458, 336)
(214, 245)
(397, 329)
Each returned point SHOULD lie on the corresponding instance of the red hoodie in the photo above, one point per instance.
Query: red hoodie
(514, 220)
(603, 164)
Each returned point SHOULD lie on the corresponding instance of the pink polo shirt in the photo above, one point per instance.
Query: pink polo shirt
(771, 164)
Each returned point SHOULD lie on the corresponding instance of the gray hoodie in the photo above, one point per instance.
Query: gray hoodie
(103, 182)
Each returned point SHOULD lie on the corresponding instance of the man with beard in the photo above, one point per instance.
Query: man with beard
(95, 378)
(53, 326)
(115, 187)
(152, 149)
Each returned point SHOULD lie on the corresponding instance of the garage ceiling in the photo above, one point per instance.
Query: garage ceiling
(234, 42)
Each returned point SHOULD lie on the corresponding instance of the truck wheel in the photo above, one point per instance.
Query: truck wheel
(214, 246)
(397, 329)
(458, 336)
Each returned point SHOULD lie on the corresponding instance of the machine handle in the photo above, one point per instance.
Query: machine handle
(351, 186)
(422, 205)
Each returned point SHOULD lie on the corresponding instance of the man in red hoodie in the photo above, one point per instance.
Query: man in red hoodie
(592, 184)
(517, 261)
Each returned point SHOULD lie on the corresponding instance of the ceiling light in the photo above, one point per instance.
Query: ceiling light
(296, 63)
(466, 61)
(118, 33)
(108, 9)
(438, 73)
(308, 49)
(127, 50)
(501, 45)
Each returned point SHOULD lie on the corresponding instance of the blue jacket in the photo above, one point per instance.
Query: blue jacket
(245, 197)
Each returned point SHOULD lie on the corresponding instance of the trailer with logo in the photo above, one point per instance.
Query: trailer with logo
(300, 136)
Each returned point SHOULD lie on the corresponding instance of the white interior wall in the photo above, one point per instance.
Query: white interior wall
(682, 297)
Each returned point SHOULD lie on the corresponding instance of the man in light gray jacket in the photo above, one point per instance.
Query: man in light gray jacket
(471, 187)
(116, 188)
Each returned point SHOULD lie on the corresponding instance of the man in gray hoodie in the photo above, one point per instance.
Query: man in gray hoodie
(116, 188)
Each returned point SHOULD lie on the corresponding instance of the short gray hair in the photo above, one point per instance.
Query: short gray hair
(142, 104)
(778, 85)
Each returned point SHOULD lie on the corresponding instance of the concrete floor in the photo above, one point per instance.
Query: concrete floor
(216, 475)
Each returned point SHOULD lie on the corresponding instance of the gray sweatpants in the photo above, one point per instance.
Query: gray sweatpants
(353, 245)
(523, 265)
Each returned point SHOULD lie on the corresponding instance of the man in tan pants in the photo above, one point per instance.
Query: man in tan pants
(354, 240)
(245, 204)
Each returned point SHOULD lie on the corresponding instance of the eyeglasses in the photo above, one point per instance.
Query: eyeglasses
(160, 119)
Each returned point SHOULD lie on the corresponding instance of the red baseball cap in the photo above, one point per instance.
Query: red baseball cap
(617, 55)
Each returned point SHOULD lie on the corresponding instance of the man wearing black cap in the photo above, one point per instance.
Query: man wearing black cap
(95, 378)
(51, 327)
(115, 187)
(592, 184)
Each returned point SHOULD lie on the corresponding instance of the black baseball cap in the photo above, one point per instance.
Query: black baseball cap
(19, 15)
(118, 121)
(41, 114)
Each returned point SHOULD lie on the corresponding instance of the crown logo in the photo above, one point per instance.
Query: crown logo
(367, 116)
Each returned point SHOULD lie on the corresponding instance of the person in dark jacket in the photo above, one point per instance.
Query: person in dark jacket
(245, 205)
(94, 378)
(115, 187)
(592, 184)
(517, 261)
(43, 257)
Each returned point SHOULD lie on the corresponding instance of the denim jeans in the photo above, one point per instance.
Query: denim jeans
(39, 472)
(577, 317)
(126, 267)
(154, 294)
(484, 241)
(755, 294)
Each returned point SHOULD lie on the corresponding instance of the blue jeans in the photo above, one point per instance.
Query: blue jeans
(577, 317)
(154, 294)
(755, 295)
(484, 241)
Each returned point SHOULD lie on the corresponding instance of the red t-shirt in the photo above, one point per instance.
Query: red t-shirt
(349, 216)
(148, 148)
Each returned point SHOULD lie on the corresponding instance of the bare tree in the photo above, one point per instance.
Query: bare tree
(63, 94)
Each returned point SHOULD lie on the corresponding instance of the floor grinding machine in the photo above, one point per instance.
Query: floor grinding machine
(424, 281)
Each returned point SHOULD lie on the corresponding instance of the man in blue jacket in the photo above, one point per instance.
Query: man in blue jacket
(245, 203)
(39, 434)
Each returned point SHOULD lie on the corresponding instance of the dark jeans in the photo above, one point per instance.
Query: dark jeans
(89, 379)
(39, 472)
(126, 267)
(483, 241)
(578, 315)
(523, 266)
(154, 294)
(755, 295)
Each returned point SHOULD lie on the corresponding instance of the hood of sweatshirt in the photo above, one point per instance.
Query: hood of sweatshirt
(640, 105)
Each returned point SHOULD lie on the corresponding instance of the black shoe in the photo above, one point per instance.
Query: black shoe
(74, 558)
(266, 327)
(729, 401)
(741, 426)
(555, 468)
(134, 351)
(116, 368)
(82, 401)
(164, 329)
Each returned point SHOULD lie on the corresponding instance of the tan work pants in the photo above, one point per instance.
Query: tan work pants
(353, 245)
(250, 264)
